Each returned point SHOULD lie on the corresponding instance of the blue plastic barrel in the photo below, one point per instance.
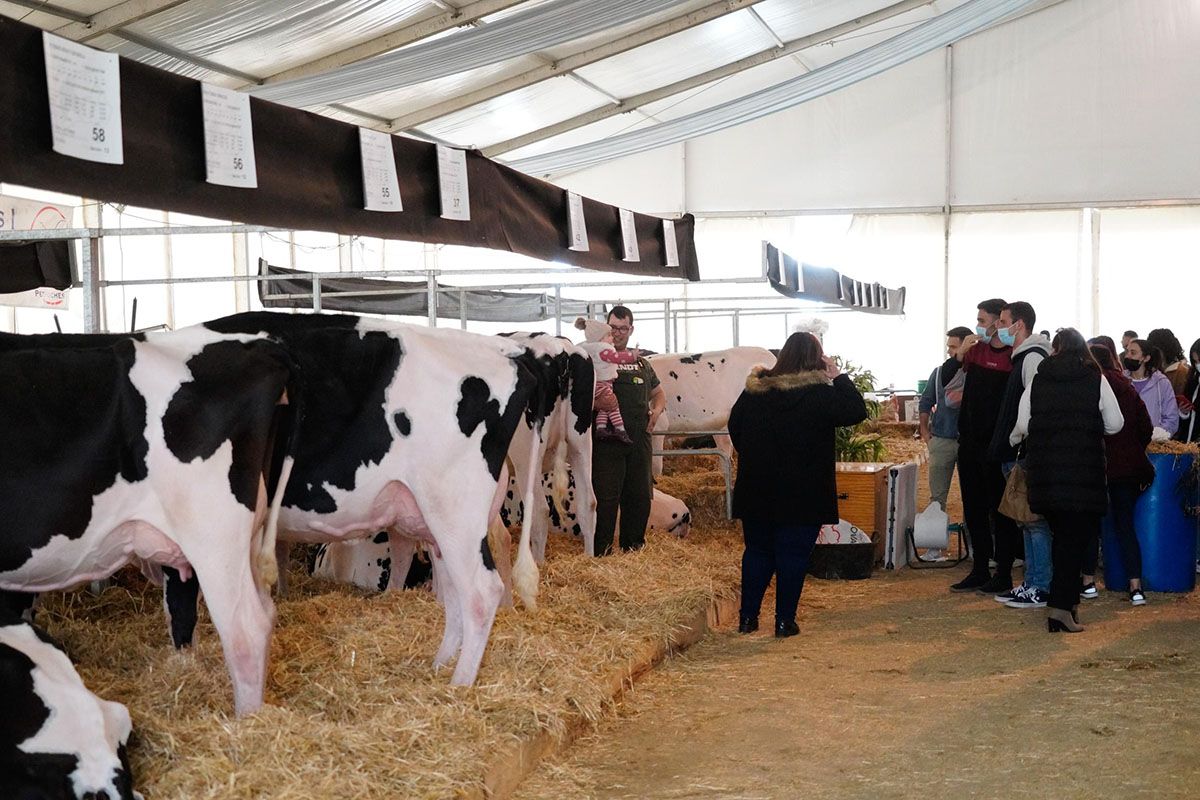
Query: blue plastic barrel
(1165, 533)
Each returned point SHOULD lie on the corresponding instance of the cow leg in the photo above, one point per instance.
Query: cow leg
(479, 589)
(500, 542)
(656, 462)
(724, 444)
(179, 601)
(242, 616)
(452, 636)
(585, 494)
(539, 532)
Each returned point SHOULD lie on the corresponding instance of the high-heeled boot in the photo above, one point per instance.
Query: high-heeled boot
(1060, 621)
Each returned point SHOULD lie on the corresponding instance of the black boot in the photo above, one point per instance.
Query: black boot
(747, 624)
(972, 582)
(786, 628)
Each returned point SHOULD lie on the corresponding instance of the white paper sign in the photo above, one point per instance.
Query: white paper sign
(42, 297)
(381, 187)
(228, 137)
(629, 236)
(85, 100)
(576, 222)
(20, 214)
(452, 181)
(671, 245)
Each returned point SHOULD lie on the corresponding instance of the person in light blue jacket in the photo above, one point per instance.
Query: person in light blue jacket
(1143, 364)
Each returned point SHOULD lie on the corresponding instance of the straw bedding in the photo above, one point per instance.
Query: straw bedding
(355, 708)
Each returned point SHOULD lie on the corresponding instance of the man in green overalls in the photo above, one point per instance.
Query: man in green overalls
(621, 473)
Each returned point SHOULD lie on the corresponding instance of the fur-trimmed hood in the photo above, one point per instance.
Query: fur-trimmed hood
(758, 383)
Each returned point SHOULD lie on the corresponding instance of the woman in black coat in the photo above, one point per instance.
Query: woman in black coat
(1064, 415)
(782, 428)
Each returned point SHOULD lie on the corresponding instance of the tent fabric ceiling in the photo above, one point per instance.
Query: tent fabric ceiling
(245, 43)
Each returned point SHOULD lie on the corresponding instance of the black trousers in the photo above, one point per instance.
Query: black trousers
(1071, 532)
(1122, 497)
(982, 484)
(623, 481)
(779, 550)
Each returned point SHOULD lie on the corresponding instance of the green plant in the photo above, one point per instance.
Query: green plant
(856, 443)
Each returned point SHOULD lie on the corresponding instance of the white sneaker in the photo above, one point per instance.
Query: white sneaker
(1090, 592)
(1137, 597)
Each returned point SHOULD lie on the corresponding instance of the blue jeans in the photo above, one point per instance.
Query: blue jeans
(1037, 548)
(779, 550)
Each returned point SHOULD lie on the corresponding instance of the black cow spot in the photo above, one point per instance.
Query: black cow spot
(673, 516)
(692, 359)
(722, 361)
(582, 378)
(504, 516)
(403, 424)
(679, 398)
(477, 406)
(673, 374)
(380, 538)
(385, 574)
(711, 366)
(510, 494)
(552, 508)
(486, 552)
(576, 530)
(345, 378)
(71, 424)
(232, 396)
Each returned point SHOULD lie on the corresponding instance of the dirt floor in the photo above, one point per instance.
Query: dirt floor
(896, 688)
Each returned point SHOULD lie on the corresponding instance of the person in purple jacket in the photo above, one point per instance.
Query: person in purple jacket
(1143, 365)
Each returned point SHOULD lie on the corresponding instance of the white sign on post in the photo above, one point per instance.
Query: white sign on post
(576, 222)
(228, 137)
(670, 243)
(20, 214)
(381, 187)
(452, 181)
(85, 100)
(629, 236)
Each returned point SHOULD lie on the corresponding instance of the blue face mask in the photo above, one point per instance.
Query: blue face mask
(983, 334)
(1007, 337)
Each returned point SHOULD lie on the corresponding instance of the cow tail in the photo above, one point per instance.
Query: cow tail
(525, 570)
(284, 454)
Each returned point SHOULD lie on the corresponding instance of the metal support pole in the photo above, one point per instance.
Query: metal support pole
(737, 334)
(316, 293)
(787, 327)
(558, 311)
(431, 297)
(667, 326)
(675, 328)
(89, 274)
(462, 310)
(1095, 271)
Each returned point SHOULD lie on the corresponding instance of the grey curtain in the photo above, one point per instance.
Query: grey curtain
(410, 299)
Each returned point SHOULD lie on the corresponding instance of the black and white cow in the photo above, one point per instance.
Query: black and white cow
(405, 429)
(149, 449)
(57, 739)
(563, 442)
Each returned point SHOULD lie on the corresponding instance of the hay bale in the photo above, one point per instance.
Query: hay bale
(355, 708)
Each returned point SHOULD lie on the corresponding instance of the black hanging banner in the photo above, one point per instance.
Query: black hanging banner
(792, 278)
(309, 171)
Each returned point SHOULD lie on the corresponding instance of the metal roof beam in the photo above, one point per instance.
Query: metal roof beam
(405, 34)
(114, 17)
(565, 65)
(51, 9)
(696, 81)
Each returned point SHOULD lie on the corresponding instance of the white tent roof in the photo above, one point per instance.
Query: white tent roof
(326, 55)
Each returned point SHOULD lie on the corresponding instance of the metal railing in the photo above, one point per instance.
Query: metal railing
(726, 461)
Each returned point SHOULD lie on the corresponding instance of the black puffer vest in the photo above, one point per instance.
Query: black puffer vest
(1066, 440)
(1000, 450)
